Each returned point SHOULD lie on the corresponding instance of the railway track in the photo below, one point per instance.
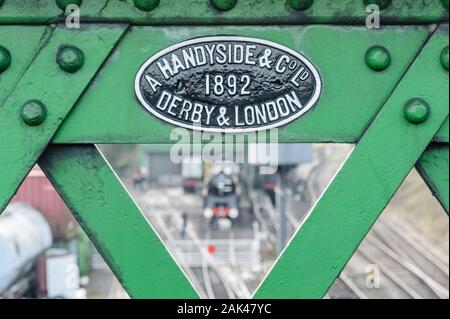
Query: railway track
(414, 248)
(423, 276)
(210, 280)
(410, 268)
(345, 288)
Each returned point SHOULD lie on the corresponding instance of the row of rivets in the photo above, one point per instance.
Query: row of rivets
(225, 5)
(69, 58)
(299, 5)
(417, 110)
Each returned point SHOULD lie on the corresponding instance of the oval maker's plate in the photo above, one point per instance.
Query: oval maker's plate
(228, 84)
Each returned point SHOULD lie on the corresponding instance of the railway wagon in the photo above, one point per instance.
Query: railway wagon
(38, 192)
(24, 234)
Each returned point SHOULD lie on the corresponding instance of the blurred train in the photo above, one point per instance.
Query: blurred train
(39, 242)
(221, 200)
(24, 234)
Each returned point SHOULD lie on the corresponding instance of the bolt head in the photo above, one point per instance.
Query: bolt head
(62, 4)
(5, 58)
(70, 58)
(33, 112)
(444, 58)
(223, 5)
(378, 58)
(146, 5)
(300, 5)
(416, 111)
(382, 4)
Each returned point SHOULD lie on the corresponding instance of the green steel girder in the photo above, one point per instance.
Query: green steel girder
(97, 105)
(364, 185)
(23, 50)
(352, 93)
(433, 166)
(116, 226)
(58, 91)
(195, 12)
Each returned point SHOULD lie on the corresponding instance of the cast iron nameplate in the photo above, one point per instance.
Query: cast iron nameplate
(228, 84)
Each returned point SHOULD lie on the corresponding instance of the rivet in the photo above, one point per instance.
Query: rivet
(445, 4)
(5, 58)
(416, 111)
(444, 58)
(382, 4)
(33, 112)
(378, 58)
(146, 5)
(224, 5)
(300, 5)
(70, 58)
(62, 4)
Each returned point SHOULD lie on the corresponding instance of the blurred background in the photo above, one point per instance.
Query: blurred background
(225, 224)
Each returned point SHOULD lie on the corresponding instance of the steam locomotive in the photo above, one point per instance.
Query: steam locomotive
(221, 198)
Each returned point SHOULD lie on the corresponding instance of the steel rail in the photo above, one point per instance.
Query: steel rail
(427, 251)
(352, 286)
(438, 289)
(390, 274)
(383, 232)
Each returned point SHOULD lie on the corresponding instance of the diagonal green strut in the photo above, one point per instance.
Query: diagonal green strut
(44, 81)
(114, 223)
(363, 187)
(433, 166)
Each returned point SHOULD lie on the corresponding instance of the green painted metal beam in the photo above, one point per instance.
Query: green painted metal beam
(364, 185)
(114, 223)
(351, 97)
(43, 80)
(195, 12)
(433, 166)
(22, 49)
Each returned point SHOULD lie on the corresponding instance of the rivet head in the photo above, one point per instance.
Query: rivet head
(70, 58)
(62, 4)
(146, 5)
(444, 58)
(416, 111)
(378, 58)
(33, 112)
(382, 4)
(300, 5)
(5, 58)
(223, 5)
